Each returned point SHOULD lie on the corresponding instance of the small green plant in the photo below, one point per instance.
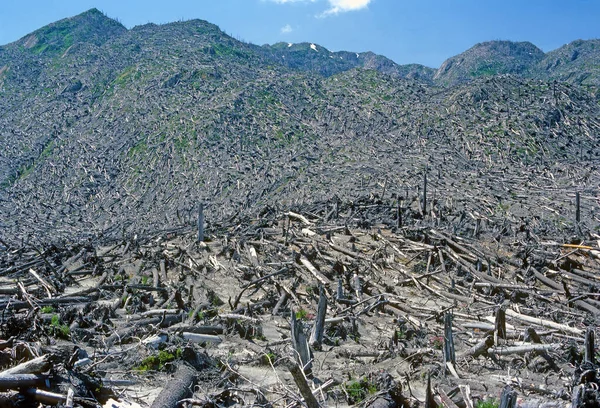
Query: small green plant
(145, 279)
(199, 316)
(359, 390)
(158, 361)
(401, 333)
(57, 328)
(47, 309)
(268, 358)
(302, 314)
(489, 403)
(120, 278)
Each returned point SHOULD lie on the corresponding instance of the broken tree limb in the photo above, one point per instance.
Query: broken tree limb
(544, 323)
(46, 397)
(446, 401)
(300, 380)
(311, 268)
(298, 217)
(348, 252)
(50, 289)
(480, 349)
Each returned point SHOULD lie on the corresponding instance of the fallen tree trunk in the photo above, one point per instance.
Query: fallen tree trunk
(179, 387)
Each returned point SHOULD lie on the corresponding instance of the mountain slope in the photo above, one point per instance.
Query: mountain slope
(488, 59)
(126, 135)
(91, 27)
(577, 62)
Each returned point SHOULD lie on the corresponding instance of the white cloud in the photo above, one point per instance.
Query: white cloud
(286, 29)
(341, 6)
(335, 6)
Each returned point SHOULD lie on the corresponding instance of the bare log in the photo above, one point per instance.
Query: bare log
(505, 351)
(179, 387)
(46, 397)
(22, 380)
(480, 349)
(36, 366)
(300, 381)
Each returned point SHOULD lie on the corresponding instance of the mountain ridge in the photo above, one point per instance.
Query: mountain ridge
(483, 59)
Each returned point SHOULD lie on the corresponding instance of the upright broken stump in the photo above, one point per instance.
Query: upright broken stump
(316, 336)
(201, 222)
(302, 351)
(500, 326)
(508, 398)
(449, 351)
(425, 193)
(429, 397)
(589, 346)
(577, 208)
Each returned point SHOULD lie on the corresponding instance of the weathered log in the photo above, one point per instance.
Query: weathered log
(300, 380)
(298, 217)
(46, 397)
(201, 338)
(544, 323)
(22, 380)
(480, 349)
(179, 387)
(505, 351)
(36, 366)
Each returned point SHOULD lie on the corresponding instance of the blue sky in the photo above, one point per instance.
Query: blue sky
(407, 31)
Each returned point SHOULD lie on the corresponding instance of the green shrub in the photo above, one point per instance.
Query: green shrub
(359, 390)
(489, 403)
(58, 329)
(158, 361)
